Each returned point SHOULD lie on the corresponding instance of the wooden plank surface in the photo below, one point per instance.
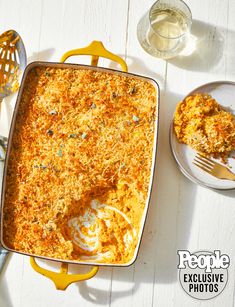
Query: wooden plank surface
(182, 215)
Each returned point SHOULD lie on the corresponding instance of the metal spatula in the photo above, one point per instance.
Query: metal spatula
(12, 62)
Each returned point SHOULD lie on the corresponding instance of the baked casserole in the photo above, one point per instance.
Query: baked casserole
(201, 123)
(80, 163)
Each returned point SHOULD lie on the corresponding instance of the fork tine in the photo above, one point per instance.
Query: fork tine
(205, 157)
(206, 160)
(202, 163)
(212, 161)
(202, 167)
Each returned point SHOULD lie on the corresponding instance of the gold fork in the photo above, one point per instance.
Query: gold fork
(213, 168)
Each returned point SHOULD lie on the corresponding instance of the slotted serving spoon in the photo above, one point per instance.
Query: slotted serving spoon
(13, 61)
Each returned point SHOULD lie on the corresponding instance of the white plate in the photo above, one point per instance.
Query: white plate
(224, 93)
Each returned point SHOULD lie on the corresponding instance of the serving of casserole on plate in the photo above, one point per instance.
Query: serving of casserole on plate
(205, 122)
(80, 164)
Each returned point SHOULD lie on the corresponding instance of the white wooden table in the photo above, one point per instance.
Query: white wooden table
(182, 215)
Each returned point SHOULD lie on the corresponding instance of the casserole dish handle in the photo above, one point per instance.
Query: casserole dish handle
(96, 49)
(62, 279)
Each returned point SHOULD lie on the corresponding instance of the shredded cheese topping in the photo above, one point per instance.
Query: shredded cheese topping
(203, 124)
(80, 136)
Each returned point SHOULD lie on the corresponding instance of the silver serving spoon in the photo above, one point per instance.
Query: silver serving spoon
(13, 61)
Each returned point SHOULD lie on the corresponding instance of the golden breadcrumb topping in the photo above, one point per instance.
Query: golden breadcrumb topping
(79, 166)
(203, 124)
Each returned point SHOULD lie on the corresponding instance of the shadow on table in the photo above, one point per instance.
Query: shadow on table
(5, 296)
(204, 51)
(229, 193)
(108, 295)
(43, 55)
(135, 65)
(5, 300)
(205, 48)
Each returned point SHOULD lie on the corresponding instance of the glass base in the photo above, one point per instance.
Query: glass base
(151, 43)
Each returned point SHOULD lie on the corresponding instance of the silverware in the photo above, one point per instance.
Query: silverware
(213, 168)
(13, 61)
